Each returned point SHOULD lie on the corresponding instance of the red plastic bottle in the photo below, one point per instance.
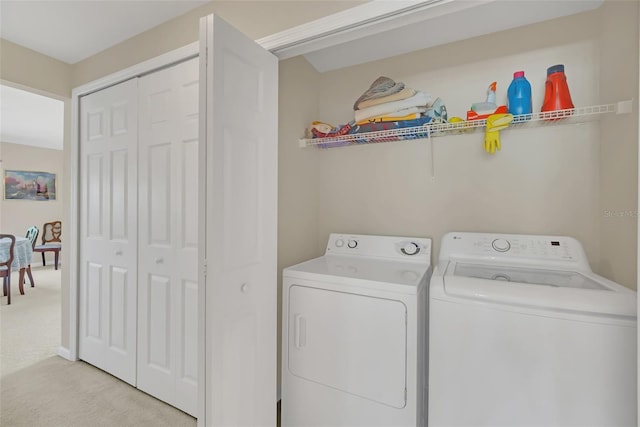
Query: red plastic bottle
(556, 96)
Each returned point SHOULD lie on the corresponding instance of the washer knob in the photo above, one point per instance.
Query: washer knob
(339, 243)
(352, 244)
(410, 248)
(501, 245)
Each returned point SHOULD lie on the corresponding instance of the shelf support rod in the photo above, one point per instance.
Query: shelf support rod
(433, 163)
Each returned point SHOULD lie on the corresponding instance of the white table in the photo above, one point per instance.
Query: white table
(22, 254)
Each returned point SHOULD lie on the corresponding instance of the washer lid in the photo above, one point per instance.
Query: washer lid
(397, 276)
(555, 278)
(551, 289)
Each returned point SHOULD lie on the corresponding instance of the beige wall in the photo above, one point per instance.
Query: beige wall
(297, 170)
(23, 66)
(544, 181)
(18, 215)
(619, 143)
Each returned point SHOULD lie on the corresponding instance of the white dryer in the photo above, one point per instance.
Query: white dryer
(354, 334)
(523, 333)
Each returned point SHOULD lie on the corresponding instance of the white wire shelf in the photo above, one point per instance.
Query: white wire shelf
(571, 116)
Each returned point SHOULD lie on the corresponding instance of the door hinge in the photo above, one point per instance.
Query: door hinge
(204, 268)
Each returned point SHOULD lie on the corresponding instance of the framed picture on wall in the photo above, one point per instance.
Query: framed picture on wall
(27, 185)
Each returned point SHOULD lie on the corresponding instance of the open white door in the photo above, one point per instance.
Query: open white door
(238, 219)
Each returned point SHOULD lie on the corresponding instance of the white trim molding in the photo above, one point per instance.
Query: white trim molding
(373, 30)
(638, 265)
(165, 60)
(351, 24)
(65, 353)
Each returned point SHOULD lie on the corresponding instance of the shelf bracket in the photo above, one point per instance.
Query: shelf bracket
(433, 163)
(624, 107)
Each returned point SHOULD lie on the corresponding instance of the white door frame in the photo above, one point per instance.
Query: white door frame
(146, 67)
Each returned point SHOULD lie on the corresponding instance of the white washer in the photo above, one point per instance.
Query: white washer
(354, 334)
(522, 332)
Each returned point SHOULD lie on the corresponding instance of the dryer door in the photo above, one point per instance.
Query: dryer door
(353, 343)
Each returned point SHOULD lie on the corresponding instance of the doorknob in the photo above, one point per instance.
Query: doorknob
(118, 252)
(159, 260)
(244, 287)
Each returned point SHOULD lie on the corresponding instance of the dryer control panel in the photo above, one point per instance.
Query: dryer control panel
(388, 247)
(507, 248)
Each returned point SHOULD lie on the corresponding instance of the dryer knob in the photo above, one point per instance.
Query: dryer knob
(339, 243)
(410, 248)
(352, 244)
(501, 245)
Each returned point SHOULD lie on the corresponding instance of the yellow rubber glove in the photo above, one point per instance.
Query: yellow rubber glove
(495, 123)
(491, 141)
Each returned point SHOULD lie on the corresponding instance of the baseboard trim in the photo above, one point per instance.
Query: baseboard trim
(65, 353)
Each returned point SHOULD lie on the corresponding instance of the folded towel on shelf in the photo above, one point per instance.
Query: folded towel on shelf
(437, 110)
(324, 130)
(382, 86)
(320, 127)
(405, 93)
(420, 99)
(374, 127)
(406, 114)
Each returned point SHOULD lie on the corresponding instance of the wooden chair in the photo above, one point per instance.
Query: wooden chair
(32, 235)
(51, 232)
(5, 267)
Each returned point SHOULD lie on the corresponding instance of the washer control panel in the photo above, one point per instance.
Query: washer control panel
(511, 247)
(391, 247)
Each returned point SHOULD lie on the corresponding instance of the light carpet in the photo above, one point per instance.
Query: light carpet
(56, 392)
(30, 326)
(38, 388)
